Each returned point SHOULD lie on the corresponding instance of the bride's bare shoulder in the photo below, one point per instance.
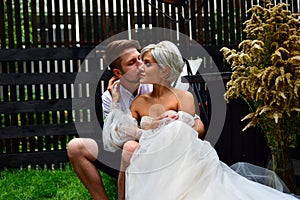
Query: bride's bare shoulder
(139, 101)
(183, 94)
(141, 98)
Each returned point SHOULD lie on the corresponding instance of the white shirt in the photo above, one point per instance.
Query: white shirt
(126, 97)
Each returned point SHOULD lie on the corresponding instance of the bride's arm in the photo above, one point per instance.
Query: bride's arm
(188, 106)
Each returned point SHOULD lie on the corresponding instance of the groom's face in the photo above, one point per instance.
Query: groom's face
(130, 65)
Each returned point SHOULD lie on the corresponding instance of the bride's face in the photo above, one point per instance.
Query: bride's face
(150, 71)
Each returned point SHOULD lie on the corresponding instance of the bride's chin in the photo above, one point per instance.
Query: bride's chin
(143, 81)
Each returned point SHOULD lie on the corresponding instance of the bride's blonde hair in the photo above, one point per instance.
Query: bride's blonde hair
(166, 54)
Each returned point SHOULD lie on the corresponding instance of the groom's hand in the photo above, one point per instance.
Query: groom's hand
(114, 88)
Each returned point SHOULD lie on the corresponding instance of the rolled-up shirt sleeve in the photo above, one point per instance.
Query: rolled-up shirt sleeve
(106, 103)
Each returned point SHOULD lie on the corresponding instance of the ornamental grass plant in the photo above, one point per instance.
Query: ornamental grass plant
(266, 75)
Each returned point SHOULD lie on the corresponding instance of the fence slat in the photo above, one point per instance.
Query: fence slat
(96, 22)
(2, 26)
(73, 24)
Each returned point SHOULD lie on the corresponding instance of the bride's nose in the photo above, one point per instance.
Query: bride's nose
(140, 62)
(141, 67)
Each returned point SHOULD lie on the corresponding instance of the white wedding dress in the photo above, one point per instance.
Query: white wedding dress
(172, 163)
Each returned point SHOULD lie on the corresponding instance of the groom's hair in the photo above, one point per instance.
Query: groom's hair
(115, 49)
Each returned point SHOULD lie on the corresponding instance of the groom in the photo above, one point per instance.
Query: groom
(123, 58)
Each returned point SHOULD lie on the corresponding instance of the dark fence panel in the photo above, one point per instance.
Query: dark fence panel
(44, 42)
(39, 118)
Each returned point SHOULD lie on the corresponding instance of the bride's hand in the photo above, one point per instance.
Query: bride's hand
(115, 93)
(156, 121)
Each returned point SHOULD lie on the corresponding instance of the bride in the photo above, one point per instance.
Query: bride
(168, 160)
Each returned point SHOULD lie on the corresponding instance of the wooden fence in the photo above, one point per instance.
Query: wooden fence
(43, 45)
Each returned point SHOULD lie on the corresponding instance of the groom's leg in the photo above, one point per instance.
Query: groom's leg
(82, 153)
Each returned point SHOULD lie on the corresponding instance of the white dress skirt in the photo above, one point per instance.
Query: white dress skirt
(172, 163)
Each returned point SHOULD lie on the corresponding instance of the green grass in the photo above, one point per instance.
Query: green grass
(48, 184)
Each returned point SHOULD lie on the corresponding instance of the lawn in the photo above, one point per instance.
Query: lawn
(48, 184)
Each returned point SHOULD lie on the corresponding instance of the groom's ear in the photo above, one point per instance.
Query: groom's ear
(117, 73)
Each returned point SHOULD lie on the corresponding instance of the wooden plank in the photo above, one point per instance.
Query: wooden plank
(125, 15)
(66, 24)
(243, 18)
(219, 22)
(18, 29)
(15, 160)
(111, 21)
(200, 37)
(146, 13)
(12, 119)
(38, 144)
(96, 22)
(103, 21)
(296, 6)
(19, 90)
(153, 14)
(58, 36)
(2, 26)
(10, 24)
(167, 21)
(42, 78)
(212, 22)
(232, 25)
(239, 24)
(226, 30)
(50, 23)
(81, 26)
(193, 20)
(73, 24)
(139, 20)
(45, 105)
(34, 24)
(34, 54)
(131, 14)
(42, 130)
(173, 15)
(42, 23)
(88, 25)
(45, 115)
(186, 25)
(206, 23)
(45, 68)
(249, 5)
